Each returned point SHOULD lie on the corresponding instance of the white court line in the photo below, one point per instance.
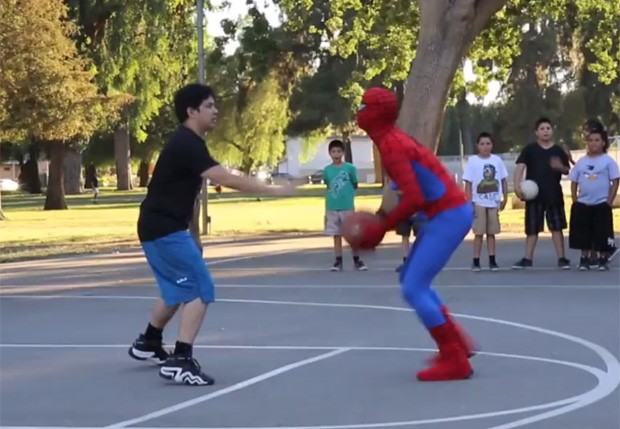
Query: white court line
(238, 386)
(293, 268)
(599, 374)
(608, 381)
(27, 291)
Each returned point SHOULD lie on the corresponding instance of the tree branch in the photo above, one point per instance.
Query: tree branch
(484, 10)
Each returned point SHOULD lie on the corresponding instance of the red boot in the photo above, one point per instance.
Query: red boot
(466, 342)
(452, 363)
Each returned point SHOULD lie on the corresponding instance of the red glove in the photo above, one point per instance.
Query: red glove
(372, 235)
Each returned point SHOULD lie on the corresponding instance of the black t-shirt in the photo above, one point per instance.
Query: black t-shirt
(174, 186)
(537, 162)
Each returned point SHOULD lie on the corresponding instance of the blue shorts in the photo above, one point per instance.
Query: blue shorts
(181, 273)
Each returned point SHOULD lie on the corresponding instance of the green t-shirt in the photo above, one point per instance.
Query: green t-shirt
(341, 181)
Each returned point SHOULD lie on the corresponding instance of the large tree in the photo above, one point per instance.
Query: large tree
(144, 48)
(430, 39)
(48, 93)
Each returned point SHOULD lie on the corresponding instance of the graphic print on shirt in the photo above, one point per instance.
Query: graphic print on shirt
(338, 183)
(489, 185)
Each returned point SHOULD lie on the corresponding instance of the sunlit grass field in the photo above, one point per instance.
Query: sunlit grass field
(30, 231)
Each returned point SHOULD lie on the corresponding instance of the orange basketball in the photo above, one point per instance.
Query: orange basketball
(353, 226)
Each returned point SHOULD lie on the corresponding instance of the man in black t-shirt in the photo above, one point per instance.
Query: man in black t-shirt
(171, 252)
(545, 163)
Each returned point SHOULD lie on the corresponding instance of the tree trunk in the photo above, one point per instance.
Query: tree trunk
(122, 155)
(463, 112)
(29, 178)
(348, 150)
(1, 214)
(73, 172)
(447, 29)
(55, 198)
(143, 170)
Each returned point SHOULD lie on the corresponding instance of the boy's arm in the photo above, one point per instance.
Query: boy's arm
(468, 192)
(519, 170)
(613, 191)
(573, 191)
(502, 205)
(614, 175)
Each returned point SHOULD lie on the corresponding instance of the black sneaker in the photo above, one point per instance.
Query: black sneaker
(603, 265)
(184, 370)
(475, 267)
(337, 265)
(493, 266)
(522, 263)
(564, 264)
(143, 349)
(360, 265)
(584, 264)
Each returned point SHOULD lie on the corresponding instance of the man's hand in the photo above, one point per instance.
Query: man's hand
(287, 190)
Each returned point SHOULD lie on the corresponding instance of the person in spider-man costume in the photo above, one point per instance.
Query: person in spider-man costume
(427, 187)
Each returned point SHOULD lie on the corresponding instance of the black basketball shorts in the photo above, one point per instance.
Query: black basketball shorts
(536, 212)
(591, 227)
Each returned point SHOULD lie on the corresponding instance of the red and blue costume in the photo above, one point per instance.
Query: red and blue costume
(426, 187)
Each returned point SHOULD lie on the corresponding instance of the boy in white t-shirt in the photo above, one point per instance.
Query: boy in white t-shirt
(486, 187)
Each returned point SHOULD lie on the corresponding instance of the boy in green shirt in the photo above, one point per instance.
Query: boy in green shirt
(341, 180)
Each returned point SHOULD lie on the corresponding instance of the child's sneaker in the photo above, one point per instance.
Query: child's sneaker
(584, 264)
(475, 267)
(522, 263)
(359, 265)
(493, 266)
(337, 265)
(603, 264)
(564, 263)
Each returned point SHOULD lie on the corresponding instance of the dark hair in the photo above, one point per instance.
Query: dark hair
(336, 143)
(593, 125)
(596, 127)
(542, 120)
(190, 96)
(483, 135)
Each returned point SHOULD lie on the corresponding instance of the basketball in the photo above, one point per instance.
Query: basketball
(353, 226)
(529, 189)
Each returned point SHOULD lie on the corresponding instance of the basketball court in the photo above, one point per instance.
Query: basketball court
(292, 345)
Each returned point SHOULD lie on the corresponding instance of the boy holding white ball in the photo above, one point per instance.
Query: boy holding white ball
(545, 162)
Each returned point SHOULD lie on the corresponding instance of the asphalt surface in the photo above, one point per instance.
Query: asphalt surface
(292, 345)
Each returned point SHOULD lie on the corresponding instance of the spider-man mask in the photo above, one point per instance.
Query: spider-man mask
(378, 111)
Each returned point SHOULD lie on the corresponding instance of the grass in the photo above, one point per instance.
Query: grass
(29, 231)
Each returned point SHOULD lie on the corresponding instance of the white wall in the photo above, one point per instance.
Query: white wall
(361, 148)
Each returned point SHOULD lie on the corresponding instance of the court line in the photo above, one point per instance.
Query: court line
(599, 374)
(8, 289)
(608, 381)
(238, 386)
(292, 269)
(22, 291)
